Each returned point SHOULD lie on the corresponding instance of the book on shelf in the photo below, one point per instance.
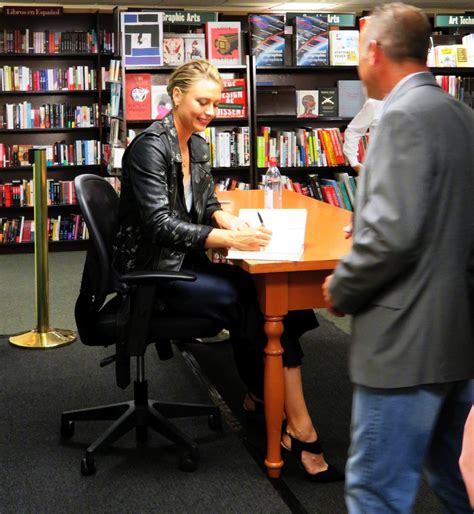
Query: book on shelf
(344, 47)
(267, 41)
(311, 40)
(451, 56)
(351, 97)
(307, 103)
(234, 99)
(224, 43)
(173, 50)
(468, 42)
(288, 228)
(160, 102)
(230, 184)
(194, 47)
(114, 70)
(115, 94)
(142, 39)
(138, 96)
(328, 105)
(276, 101)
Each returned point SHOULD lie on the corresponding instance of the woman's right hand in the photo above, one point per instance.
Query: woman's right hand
(249, 239)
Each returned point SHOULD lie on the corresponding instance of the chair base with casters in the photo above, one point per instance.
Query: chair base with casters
(140, 414)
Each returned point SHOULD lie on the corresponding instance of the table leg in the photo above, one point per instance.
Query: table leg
(274, 393)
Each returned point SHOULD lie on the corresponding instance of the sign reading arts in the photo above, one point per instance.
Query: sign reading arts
(334, 19)
(454, 20)
(32, 11)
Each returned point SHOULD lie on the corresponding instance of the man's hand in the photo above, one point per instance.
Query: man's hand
(327, 298)
(347, 231)
(357, 168)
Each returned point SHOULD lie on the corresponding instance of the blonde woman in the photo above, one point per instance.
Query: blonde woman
(169, 215)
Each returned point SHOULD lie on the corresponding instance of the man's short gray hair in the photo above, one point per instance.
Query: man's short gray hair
(403, 31)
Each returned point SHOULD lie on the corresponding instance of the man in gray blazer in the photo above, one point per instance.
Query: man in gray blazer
(409, 278)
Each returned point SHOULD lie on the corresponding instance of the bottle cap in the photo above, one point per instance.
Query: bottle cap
(273, 161)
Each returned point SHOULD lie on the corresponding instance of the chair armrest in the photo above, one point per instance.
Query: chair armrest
(149, 277)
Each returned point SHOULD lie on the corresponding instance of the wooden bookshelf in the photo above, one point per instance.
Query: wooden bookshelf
(92, 23)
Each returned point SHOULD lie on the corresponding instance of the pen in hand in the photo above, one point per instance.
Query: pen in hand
(261, 219)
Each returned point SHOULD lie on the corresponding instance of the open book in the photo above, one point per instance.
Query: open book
(288, 227)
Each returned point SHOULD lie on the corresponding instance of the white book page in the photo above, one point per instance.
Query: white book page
(288, 230)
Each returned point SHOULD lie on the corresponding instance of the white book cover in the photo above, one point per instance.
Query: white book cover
(160, 102)
(288, 228)
(307, 103)
(173, 50)
(344, 47)
(194, 47)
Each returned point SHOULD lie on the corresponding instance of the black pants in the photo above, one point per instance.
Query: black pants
(227, 294)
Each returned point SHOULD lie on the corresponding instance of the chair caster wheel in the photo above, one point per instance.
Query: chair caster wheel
(88, 466)
(214, 422)
(189, 460)
(67, 429)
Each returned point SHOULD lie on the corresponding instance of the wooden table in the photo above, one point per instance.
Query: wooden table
(286, 286)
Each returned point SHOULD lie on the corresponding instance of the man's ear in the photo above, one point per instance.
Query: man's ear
(374, 52)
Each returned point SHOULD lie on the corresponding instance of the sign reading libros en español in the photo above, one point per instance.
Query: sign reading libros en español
(454, 20)
(10, 10)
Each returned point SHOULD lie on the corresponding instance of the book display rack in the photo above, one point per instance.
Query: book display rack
(291, 88)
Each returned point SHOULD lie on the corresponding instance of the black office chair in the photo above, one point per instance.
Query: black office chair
(129, 321)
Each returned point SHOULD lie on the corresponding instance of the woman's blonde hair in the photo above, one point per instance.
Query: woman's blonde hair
(184, 76)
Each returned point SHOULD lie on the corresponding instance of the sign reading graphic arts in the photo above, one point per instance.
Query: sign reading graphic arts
(32, 11)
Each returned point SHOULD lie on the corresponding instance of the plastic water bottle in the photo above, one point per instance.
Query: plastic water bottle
(272, 186)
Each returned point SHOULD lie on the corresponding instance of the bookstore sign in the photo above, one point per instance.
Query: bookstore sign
(188, 17)
(333, 19)
(454, 20)
(32, 11)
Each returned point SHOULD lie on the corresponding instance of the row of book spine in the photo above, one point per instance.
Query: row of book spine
(228, 148)
(230, 184)
(340, 191)
(81, 152)
(23, 78)
(55, 42)
(20, 193)
(301, 147)
(25, 116)
(462, 88)
(61, 228)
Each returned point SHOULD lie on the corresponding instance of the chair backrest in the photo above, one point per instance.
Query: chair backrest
(99, 205)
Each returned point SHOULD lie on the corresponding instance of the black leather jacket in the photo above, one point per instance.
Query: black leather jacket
(155, 229)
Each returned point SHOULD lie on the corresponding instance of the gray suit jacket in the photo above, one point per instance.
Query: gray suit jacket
(409, 279)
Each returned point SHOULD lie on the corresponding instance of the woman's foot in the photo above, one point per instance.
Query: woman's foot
(307, 450)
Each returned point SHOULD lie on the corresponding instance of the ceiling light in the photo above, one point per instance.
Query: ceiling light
(302, 6)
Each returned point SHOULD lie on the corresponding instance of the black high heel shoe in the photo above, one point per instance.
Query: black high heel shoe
(297, 447)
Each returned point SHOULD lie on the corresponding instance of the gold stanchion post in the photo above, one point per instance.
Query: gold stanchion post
(43, 336)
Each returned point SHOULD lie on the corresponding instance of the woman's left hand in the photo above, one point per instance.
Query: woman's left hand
(228, 221)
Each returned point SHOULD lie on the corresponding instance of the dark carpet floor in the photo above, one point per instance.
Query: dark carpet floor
(39, 473)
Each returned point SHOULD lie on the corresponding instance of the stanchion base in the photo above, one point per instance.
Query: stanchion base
(53, 338)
